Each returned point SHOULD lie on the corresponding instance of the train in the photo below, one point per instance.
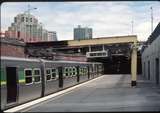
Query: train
(27, 79)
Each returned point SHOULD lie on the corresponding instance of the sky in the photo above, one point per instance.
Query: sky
(105, 18)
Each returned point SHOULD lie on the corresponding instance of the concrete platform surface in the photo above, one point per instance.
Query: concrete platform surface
(107, 93)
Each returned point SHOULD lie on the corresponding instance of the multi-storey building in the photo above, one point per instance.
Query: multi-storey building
(27, 28)
(82, 33)
(52, 36)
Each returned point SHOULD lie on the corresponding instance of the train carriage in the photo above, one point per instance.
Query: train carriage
(69, 73)
(51, 76)
(83, 72)
(20, 80)
(24, 79)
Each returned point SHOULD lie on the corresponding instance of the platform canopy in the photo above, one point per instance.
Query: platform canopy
(104, 40)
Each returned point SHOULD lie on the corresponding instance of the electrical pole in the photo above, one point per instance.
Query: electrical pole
(151, 20)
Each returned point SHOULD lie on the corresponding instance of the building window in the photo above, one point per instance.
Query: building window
(15, 19)
(26, 19)
(37, 75)
(30, 19)
(22, 19)
(28, 76)
(18, 34)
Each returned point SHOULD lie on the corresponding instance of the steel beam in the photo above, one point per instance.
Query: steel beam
(103, 40)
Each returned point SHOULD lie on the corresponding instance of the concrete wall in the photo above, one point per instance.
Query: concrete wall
(150, 54)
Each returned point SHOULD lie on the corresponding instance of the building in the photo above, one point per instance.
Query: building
(12, 47)
(52, 36)
(82, 33)
(44, 35)
(27, 28)
(151, 57)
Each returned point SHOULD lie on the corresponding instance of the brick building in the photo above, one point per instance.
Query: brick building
(12, 47)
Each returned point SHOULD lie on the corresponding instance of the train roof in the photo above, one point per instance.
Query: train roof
(64, 61)
(19, 59)
(43, 60)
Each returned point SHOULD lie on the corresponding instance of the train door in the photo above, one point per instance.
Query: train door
(11, 84)
(60, 70)
(157, 71)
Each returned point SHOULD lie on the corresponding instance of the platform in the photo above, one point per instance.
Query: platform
(106, 93)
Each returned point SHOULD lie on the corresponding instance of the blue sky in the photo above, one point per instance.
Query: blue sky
(106, 18)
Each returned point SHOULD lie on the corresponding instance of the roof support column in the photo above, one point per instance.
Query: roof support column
(90, 48)
(134, 65)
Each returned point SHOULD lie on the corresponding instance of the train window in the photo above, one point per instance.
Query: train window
(80, 71)
(85, 71)
(37, 72)
(74, 71)
(48, 74)
(66, 71)
(28, 76)
(28, 80)
(54, 73)
(37, 75)
(70, 71)
(28, 72)
(53, 70)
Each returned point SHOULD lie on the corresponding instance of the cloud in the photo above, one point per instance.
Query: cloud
(106, 18)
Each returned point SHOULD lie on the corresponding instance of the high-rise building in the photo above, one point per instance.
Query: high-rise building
(52, 36)
(26, 27)
(82, 33)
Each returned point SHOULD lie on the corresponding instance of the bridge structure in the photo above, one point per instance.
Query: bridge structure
(106, 47)
(132, 40)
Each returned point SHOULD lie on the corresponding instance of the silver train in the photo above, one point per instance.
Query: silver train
(24, 80)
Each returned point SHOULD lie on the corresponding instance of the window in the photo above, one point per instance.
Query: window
(70, 71)
(26, 19)
(54, 73)
(15, 19)
(48, 74)
(30, 19)
(66, 72)
(85, 71)
(74, 71)
(22, 19)
(81, 71)
(37, 75)
(28, 76)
